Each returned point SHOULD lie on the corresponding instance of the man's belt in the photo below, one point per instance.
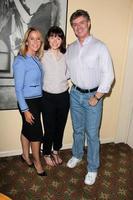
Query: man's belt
(85, 90)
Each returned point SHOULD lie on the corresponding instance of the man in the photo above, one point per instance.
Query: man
(91, 72)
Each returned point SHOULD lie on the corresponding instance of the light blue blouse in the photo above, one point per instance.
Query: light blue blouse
(28, 79)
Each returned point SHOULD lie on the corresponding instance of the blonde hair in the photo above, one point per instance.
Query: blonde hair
(23, 47)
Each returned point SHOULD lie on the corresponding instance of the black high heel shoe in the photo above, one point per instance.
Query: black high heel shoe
(29, 165)
(42, 173)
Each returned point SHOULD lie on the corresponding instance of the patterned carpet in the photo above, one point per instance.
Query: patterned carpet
(114, 181)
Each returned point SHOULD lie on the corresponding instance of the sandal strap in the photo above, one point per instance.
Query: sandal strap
(56, 157)
(47, 156)
(50, 158)
(53, 153)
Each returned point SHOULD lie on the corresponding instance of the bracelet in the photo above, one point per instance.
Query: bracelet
(96, 98)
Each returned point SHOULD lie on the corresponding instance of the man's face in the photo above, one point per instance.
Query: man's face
(81, 27)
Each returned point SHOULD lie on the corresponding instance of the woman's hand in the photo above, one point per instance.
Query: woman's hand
(29, 117)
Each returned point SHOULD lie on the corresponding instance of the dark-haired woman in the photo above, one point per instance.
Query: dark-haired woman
(55, 95)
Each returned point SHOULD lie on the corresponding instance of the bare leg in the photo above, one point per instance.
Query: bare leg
(36, 155)
(26, 149)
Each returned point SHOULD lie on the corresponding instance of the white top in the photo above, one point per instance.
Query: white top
(55, 79)
(90, 64)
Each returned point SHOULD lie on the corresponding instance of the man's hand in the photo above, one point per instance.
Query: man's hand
(92, 101)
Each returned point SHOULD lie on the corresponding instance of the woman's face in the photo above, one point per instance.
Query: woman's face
(33, 42)
(54, 42)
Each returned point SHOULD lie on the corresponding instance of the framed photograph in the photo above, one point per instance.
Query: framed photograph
(8, 100)
(16, 16)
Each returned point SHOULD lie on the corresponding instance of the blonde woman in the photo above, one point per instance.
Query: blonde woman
(28, 86)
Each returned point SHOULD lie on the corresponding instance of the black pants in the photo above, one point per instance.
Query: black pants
(55, 112)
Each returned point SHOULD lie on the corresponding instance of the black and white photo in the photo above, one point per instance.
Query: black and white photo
(16, 16)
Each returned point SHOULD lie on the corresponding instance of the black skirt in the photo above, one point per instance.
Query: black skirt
(33, 132)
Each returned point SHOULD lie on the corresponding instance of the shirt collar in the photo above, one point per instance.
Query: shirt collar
(86, 41)
(30, 56)
(49, 52)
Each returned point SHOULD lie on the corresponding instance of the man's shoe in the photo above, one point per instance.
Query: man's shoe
(90, 178)
(73, 162)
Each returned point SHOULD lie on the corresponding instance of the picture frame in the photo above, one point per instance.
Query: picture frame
(14, 16)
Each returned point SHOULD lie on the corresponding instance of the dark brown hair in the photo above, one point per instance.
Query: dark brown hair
(79, 13)
(55, 31)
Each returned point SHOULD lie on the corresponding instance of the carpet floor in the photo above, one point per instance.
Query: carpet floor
(114, 181)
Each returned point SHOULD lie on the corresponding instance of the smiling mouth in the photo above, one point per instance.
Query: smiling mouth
(79, 32)
(35, 46)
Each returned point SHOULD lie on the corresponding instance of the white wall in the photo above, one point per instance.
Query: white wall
(125, 121)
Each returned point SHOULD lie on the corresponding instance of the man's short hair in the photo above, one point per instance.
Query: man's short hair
(79, 13)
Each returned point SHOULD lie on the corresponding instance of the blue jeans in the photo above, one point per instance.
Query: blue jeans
(85, 120)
